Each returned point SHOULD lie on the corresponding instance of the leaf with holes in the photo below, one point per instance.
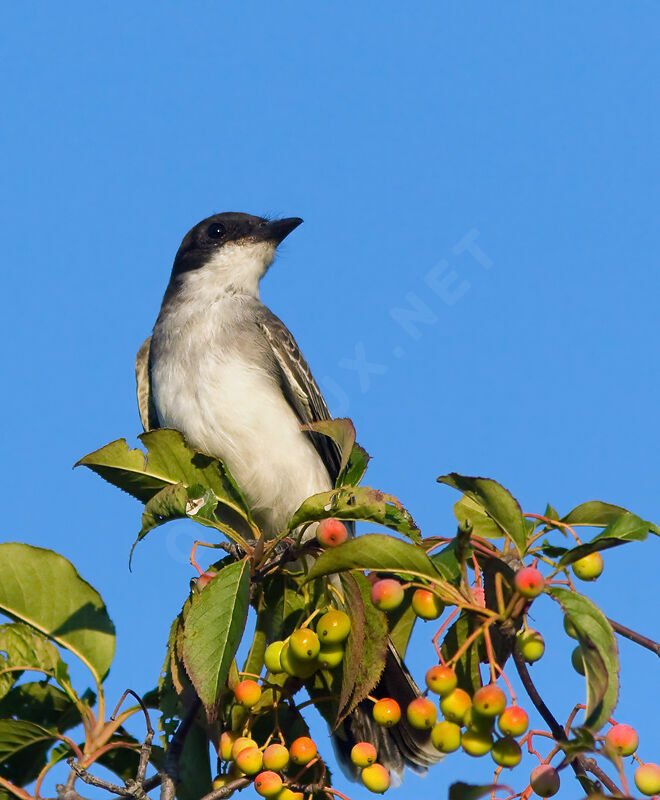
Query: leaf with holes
(357, 503)
(599, 651)
(43, 590)
(498, 504)
(212, 631)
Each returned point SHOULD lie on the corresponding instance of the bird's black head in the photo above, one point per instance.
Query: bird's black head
(204, 243)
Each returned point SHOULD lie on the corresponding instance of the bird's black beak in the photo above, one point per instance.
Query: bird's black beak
(279, 229)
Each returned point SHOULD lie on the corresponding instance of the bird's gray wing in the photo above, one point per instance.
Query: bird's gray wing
(145, 402)
(299, 386)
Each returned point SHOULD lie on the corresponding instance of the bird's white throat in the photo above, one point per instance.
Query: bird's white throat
(236, 268)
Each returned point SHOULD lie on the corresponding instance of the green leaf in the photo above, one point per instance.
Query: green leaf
(341, 431)
(254, 661)
(21, 647)
(551, 550)
(599, 651)
(353, 653)
(497, 503)
(213, 629)
(17, 735)
(286, 605)
(471, 791)
(370, 656)
(468, 511)
(594, 512)
(376, 551)
(625, 528)
(402, 621)
(168, 461)
(359, 503)
(42, 589)
(195, 765)
(42, 703)
(467, 666)
(446, 562)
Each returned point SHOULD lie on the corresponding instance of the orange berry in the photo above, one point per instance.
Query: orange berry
(302, 750)
(426, 604)
(387, 594)
(276, 757)
(268, 784)
(489, 701)
(455, 705)
(240, 744)
(363, 754)
(513, 721)
(441, 680)
(227, 740)
(421, 713)
(250, 760)
(647, 779)
(622, 739)
(386, 712)
(247, 693)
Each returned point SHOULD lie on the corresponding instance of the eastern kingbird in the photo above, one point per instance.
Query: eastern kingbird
(225, 371)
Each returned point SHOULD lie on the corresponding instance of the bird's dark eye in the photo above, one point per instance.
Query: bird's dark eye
(216, 230)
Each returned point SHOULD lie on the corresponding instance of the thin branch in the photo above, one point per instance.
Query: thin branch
(227, 790)
(591, 766)
(649, 644)
(170, 774)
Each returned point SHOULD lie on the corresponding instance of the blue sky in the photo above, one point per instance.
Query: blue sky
(509, 150)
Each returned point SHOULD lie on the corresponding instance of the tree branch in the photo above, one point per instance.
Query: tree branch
(649, 644)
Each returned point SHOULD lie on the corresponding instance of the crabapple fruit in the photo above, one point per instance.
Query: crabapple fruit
(647, 779)
(247, 693)
(426, 604)
(387, 594)
(577, 660)
(295, 666)
(376, 778)
(386, 712)
(489, 701)
(250, 760)
(268, 783)
(513, 721)
(333, 627)
(227, 740)
(531, 645)
(446, 736)
(421, 713)
(454, 706)
(544, 780)
(622, 740)
(363, 754)
(475, 743)
(441, 680)
(288, 794)
(272, 657)
(304, 644)
(331, 655)
(506, 752)
(529, 582)
(331, 532)
(588, 568)
(570, 628)
(302, 750)
(240, 744)
(276, 757)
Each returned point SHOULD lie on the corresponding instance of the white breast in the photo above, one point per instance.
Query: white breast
(226, 404)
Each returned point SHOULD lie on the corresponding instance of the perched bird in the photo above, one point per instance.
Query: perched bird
(226, 372)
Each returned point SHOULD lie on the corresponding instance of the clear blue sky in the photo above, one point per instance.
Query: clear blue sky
(396, 132)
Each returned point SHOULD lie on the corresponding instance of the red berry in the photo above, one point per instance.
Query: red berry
(544, 780)
(331, 532)
(529, 582)
(622, 739)
(588, 568)
(376, 778)
(302, 750)
(247, 693)
(387, 594)
(441, 680)
(489, 701)
(268, 784)
(647, 779)
(426, 604)
(276, 757)
(363, 754)
(421, 713)
(386, 712)
(513, 721)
